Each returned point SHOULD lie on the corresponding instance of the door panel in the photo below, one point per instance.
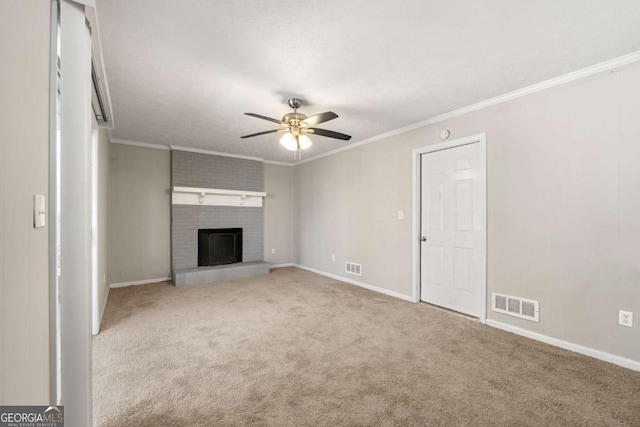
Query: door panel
(435, 214)
(462, 269)
(435, 264)
(463, 205)
(451, 221)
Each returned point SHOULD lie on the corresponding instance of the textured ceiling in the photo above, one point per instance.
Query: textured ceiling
(184, 72)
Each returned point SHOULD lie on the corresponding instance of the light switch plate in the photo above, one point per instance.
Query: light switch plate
(39, 212)
(400, 215)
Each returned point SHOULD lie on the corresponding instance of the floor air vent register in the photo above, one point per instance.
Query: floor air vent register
(516, 306)
(353, 268)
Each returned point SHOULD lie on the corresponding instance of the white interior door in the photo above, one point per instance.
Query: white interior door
(452, 248)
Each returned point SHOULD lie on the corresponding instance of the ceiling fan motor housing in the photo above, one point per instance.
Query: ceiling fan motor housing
(293, 118)
(295, 103)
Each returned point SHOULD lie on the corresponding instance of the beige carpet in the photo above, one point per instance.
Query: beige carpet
(295, 348)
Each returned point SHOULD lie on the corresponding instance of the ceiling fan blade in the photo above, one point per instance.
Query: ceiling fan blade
(320, 118)
(262, 133)
(329, 133)
(264, 118)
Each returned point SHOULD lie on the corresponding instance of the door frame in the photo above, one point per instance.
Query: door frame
(416, 154)
(95, 288)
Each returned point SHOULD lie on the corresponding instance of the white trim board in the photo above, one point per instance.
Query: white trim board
(576, 348)
(52, 214)
(103, 308)
(547, 84)
(215, 153)
(139, 144)
(216, 197)
(193, 150)
(272, 162)
(198, 190)
(140, 282)
(288, 264)
(355, 282)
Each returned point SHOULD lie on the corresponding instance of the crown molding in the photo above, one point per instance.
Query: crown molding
(271, 162)
(192, 150)
(215, 153)
(139, 144)
(547, 84)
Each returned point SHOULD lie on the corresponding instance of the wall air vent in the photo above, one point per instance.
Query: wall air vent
(516, 306)
(353, 268)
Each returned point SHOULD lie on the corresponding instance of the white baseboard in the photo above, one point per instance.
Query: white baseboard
(289, 264)
(139, 282)
(355, 282)
(587, 351)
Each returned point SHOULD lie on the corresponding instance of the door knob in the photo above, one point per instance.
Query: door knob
(423, 239)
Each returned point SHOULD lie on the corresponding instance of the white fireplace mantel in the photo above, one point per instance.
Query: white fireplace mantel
(216, 197)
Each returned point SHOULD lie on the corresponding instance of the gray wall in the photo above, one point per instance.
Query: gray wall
(278, 214)
(139, 189)
(563, 207)
(24, 255)
(207, 171)
(103, 210)
(139, 216)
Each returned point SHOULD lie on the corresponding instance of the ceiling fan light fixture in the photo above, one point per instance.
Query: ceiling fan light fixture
(289, 142)
(304, 142)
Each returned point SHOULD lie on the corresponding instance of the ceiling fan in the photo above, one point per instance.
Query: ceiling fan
(296, 127)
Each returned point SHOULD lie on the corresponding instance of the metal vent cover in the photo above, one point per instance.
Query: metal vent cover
(516, 306)
(528, 309)
(353, 268)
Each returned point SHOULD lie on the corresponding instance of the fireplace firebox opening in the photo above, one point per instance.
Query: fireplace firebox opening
(218, 246)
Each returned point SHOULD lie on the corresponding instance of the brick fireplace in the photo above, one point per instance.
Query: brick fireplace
(205, 171)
